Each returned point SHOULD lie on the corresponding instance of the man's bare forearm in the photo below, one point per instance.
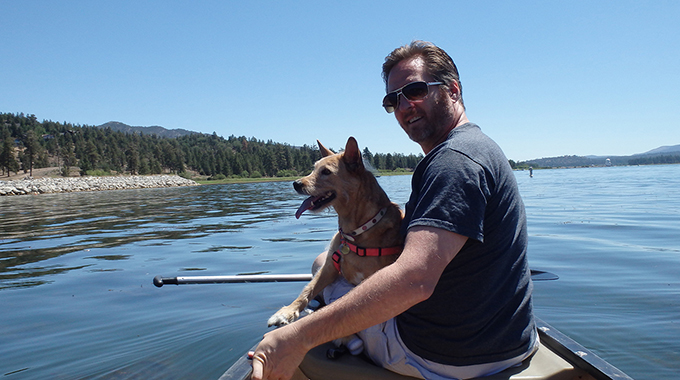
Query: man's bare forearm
(384, 295)
(389, 292)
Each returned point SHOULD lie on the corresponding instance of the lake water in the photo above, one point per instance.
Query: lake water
(76, 272)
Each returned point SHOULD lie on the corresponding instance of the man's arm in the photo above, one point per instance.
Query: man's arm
(388, 293)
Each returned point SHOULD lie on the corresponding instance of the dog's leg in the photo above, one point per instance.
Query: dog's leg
(323, 277)
(288, 314)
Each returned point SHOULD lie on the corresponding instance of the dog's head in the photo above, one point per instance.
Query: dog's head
(334, 179)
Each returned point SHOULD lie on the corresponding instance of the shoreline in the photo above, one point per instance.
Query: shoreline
(45, 182)
(49, 185)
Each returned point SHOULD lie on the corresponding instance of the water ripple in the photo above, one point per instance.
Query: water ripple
(76, 270)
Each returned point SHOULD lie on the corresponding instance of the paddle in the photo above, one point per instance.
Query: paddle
(160, 281)
(539, 275)
(536, 275)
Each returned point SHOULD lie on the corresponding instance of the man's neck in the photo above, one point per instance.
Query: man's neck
(460, 120)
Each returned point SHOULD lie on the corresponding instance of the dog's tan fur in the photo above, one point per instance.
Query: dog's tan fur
(358, 198)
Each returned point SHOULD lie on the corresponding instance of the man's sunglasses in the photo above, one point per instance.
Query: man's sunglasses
(412, 91)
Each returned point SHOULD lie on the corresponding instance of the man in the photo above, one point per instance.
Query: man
(457, 302)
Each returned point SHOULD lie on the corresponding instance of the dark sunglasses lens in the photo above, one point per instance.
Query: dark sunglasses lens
(390, 102)
(415, 91)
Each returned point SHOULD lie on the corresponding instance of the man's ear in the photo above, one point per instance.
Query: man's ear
(324, 151)
(454, 91)
(352, 156)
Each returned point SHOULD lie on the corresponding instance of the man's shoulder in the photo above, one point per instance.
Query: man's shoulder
(466, 135)
(446, 161)
(469, 140)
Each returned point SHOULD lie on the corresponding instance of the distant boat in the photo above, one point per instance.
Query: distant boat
(607, 162)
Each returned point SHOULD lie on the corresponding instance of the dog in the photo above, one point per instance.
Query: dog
(368, 238)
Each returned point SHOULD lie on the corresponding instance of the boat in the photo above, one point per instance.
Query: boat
(558, 358)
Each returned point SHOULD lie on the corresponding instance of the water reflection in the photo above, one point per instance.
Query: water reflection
(610, 237)
(43, 227)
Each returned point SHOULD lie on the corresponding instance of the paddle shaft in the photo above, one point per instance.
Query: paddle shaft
(159, 281)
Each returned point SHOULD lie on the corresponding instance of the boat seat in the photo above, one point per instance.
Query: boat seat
(544, 365)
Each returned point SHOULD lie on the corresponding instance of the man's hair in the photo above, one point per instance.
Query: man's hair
(437, 63)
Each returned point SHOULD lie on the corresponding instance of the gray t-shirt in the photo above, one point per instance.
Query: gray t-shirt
(481, 309)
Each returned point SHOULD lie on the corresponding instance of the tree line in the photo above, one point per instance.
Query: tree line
(28, 143)
(655, 160)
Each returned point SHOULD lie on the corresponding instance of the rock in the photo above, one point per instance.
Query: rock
(69, 184)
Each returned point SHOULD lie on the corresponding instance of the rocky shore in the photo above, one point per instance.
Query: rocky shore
(70, 184)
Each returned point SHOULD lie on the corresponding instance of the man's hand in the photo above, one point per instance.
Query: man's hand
(279, 354)
(409, 280)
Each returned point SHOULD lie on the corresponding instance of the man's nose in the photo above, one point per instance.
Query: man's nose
(403, 102)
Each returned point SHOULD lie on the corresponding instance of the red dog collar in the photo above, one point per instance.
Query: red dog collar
(347, 247)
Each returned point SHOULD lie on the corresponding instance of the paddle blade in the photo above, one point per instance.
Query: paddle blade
(539, 275)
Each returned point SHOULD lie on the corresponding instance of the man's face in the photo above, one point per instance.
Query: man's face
(426, 121)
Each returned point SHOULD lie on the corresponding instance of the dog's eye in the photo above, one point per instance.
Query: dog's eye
(325, 171)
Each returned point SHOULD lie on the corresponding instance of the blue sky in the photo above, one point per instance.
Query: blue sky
(542, 78)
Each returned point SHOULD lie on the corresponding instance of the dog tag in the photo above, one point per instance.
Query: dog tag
(345, 249)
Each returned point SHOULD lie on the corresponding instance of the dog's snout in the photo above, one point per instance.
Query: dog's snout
(297, 185)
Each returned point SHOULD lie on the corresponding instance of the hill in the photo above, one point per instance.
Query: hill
(660, 155)
(663, 154)
(153, 130)
(116, 148)
(673, 149)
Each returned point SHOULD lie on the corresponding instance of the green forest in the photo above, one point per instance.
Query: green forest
(655, 160)
(27, 144)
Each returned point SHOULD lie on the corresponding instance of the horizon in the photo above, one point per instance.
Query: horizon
(374, 152)
(540, 79)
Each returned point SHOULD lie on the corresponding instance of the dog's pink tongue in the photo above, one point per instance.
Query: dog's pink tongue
(306, 205)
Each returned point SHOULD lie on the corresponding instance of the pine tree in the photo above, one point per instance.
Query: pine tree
(33, 149)
(7, 160)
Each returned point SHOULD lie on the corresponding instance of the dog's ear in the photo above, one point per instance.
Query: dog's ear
(352, 155)
(324, 151)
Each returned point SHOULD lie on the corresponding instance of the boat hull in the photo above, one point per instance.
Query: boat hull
(558, 358)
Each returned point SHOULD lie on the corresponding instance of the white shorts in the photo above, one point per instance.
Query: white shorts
(384, 346)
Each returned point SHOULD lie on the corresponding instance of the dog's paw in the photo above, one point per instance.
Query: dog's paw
(353, 343)
(282, 318)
